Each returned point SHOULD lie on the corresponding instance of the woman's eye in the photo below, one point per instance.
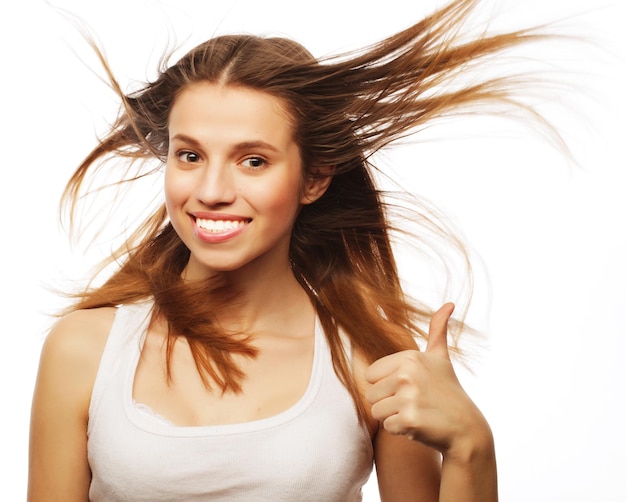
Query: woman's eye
(188, 157)
(254, 163)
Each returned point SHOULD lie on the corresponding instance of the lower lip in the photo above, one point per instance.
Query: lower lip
(217, 237)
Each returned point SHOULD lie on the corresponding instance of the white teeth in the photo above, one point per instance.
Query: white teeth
(217, 226)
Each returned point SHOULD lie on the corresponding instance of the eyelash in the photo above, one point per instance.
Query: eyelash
(183, 156)
(261, 160)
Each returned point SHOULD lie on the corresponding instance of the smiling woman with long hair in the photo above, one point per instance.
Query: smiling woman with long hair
(255, 342)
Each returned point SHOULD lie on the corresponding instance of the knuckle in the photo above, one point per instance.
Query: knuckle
(390, 426)
(376, 412)
(409, 418)
(412, 356)
(404, 377)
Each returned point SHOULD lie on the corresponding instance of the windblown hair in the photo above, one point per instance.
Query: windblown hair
(344, 109)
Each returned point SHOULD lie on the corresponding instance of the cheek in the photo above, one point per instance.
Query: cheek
(175, 189)
(281, 197)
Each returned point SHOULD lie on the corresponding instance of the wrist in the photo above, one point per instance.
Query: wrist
(469, 471)
(475, 445)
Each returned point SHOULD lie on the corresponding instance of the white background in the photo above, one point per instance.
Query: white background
(551, 234)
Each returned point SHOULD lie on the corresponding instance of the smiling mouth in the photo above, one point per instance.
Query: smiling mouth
(219, 226)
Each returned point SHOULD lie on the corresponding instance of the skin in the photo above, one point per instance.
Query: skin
(232, 156)
(417, 396)
(58, 468)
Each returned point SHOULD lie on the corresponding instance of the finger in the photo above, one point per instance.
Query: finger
(438, 331)
(383, 367)
(394, 424)
(382, 389)
(382, 410)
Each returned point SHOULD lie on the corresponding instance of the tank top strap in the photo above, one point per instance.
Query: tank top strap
(124, 342)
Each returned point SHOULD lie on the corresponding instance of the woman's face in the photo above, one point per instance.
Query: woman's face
(233, 180)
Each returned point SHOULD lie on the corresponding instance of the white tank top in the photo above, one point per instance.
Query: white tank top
(314, 451)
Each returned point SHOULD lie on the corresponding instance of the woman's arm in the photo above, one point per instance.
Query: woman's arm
(407, 471)
(421, 405)
(470, 474)
(58, 467)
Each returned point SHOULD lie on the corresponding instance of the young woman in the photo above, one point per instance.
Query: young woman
(255, 342)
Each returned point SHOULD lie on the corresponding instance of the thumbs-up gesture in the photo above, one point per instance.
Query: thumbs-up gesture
(417, 394)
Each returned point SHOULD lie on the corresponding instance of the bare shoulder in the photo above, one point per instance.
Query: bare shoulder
(81, 332)
(92, 320)
(58, 466)
(74, 346)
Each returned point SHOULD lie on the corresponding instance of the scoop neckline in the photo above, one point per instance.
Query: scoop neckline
(147, 423)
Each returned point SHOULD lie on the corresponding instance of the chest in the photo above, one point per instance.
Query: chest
(314, 450)
(275, 380)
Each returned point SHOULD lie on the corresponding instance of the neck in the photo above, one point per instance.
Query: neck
(269, 295)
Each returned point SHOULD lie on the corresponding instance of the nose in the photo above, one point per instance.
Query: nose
(216, 186)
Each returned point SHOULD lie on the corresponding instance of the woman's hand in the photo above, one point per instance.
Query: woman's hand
(418, 395)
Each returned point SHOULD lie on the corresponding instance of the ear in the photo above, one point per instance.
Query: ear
(315, 186)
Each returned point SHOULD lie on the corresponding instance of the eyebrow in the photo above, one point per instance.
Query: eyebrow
(244, 145)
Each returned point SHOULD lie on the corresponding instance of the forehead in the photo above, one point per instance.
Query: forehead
(204, 108)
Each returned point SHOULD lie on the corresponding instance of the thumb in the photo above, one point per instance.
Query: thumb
(438, 331)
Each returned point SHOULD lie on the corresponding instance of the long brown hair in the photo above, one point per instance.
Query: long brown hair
(345, 108)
